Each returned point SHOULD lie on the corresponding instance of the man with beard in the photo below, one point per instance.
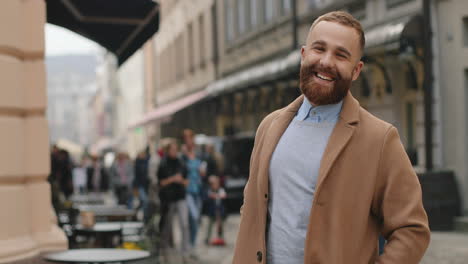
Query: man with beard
(326, 177)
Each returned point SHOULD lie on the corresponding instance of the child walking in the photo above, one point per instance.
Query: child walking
(216, 195)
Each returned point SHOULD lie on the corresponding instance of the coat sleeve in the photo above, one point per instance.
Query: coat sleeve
(398, 201)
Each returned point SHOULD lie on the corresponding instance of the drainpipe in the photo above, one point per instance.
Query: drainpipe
(428, 83)
(294, 24)
(214, 14)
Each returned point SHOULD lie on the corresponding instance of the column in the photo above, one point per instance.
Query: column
(28, 223)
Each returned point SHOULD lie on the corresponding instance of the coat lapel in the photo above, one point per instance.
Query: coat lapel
(272, 137)
(344, 129)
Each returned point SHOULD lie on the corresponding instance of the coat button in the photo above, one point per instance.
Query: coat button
(259, 256)
(266, 196)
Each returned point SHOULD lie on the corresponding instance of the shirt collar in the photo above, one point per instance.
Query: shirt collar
(320, 113)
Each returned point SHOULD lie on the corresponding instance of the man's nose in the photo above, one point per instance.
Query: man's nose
(326, 60)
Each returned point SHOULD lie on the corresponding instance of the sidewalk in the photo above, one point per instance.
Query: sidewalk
(208, 254)
(219, 255)
(445, 247)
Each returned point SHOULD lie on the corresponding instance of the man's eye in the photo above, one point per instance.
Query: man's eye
(319, 48)
(341, 55)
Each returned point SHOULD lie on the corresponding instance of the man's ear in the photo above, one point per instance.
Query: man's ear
(302, 53)
(357, 70)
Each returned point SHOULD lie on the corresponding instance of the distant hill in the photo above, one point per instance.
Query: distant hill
(84, 65)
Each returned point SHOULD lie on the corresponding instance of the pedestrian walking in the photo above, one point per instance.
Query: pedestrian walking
(141, 181)
(153, 188)
(64, 172)
(122, 178)
(80, 177)
(194, 188)
(327, 177)
(172, 176)
(97, 179)
(216, 212)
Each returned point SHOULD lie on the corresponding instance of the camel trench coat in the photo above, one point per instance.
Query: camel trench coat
(366, 187)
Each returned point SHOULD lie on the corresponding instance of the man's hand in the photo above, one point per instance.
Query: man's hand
(177, 178)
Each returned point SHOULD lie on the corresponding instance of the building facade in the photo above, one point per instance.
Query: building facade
(451, 27)
(254, 61)
(71, 82)
(255, 47)
(29, 226)
(129, 105)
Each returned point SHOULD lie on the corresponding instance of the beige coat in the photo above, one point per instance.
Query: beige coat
(366, 186)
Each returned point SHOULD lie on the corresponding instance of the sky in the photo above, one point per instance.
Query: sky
(61, 41)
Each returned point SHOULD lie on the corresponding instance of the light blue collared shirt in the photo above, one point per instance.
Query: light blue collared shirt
(317, 114)
(293, 176)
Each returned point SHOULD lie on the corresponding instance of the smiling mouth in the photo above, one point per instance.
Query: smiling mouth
(324, 77)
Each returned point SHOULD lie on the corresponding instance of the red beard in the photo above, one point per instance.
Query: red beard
(318, 95)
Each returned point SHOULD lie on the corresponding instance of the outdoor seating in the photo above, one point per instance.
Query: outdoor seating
(97, 255)
(106, 235)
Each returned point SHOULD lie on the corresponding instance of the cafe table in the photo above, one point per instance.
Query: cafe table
(103, 232)
(109, 212)
(97, 255)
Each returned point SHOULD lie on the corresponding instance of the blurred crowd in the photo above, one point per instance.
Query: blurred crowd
(178, 179)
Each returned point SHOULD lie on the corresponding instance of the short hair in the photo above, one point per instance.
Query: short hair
(188, 133)
(168, 146)
(345, 19)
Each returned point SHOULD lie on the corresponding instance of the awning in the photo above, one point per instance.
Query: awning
(121, 26)
(269, 70)
(395, 35)
(170, 108)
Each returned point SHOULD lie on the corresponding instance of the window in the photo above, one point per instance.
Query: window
(214, 33)
(409, 125)
(229, 16)
(411, 149)
(393, 3)
(190, 48)
(466, 83)
(163, 69)
(286, 6)
(268, 10)
(179, 56)
(172, 60)
(465, 31)
(358, 10)
(253, 13)
(241, 16)
(201, 22)
(181, 52)
(313, 4)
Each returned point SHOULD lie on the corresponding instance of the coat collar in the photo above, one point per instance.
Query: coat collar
(349, 112)
(342, 133)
